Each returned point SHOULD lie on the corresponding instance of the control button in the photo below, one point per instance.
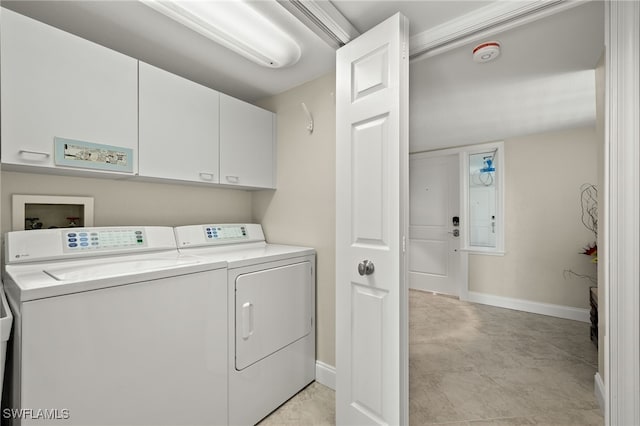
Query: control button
(94, 238)
(84, 239)
(73, 245)
(94, 244)
(71, 234)
(84, 244)
(94, 234)
(73, 240)
(83, 234)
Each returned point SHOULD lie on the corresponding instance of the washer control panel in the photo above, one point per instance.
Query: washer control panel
(225, 232)
(95, 239)
(69, 243)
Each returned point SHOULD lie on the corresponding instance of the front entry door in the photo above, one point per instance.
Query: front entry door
(372, 74)
(434, 229)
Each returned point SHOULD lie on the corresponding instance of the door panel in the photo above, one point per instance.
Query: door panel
(372, 179)
(369, 144)
(434, 258)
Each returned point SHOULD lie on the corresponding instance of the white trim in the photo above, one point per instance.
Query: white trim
(496, 17)
(464, 198)
(559, 311)
(326, 374)
(19, 203)
(622, 213)
(324, 19)
(598, 390)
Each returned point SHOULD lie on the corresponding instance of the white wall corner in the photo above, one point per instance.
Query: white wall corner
(326, 375)
(598, 390)
(559, 311)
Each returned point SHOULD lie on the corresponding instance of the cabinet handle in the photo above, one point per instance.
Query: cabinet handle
(233, 179)
(206, 176)
(33, 155)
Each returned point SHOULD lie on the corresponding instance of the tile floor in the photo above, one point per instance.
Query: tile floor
(473, 364)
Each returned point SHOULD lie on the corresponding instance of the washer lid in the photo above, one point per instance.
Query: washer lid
(40, 280)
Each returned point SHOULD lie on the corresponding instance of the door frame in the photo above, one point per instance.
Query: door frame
(621, 212)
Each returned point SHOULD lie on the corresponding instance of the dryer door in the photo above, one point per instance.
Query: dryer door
(273, 309)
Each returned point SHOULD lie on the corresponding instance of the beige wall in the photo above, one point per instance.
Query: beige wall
(127, 202)
(600, 124)
(302, 210)
(543, 232)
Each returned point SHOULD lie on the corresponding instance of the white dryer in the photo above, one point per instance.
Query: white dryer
(271, 314)
(115, 326)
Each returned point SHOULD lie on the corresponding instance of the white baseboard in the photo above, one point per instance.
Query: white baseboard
(559, 311)
(598, 390)
(326, 374)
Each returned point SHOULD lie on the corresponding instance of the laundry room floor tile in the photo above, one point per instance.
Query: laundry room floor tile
(478, 365)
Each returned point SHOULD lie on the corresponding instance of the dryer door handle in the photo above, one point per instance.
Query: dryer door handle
(247, 320)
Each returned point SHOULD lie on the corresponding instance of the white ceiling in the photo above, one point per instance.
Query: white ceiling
(543, 81)
(539, 80)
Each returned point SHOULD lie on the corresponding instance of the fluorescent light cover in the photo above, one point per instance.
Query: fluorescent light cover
(235, 25)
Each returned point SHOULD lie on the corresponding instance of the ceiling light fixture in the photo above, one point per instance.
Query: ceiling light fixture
(235, 25)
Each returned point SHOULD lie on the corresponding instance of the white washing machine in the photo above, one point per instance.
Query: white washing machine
(271, 314)
(113, 326)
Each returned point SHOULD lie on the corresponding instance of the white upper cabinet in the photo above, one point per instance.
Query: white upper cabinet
(55, 84)
(247, 144)
(179, 128)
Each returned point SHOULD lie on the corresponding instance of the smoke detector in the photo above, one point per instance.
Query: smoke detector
(486, 52)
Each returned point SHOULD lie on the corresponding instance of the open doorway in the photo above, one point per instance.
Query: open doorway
(547, 118)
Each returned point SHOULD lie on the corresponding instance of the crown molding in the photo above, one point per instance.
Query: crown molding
(487, 21)
(324, 19)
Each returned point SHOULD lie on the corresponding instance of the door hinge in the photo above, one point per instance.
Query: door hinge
(404, 244)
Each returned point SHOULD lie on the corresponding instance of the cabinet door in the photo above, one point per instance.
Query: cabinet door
(57, 84)
(247, 144)
(178, 127)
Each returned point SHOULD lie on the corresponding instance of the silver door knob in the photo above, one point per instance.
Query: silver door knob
(366, 267)
(455, 232)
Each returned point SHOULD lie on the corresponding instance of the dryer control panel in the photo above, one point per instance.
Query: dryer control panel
(218, 234)
(226, 232)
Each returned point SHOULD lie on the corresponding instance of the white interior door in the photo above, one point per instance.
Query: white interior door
(434, 193)
(371, 224)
